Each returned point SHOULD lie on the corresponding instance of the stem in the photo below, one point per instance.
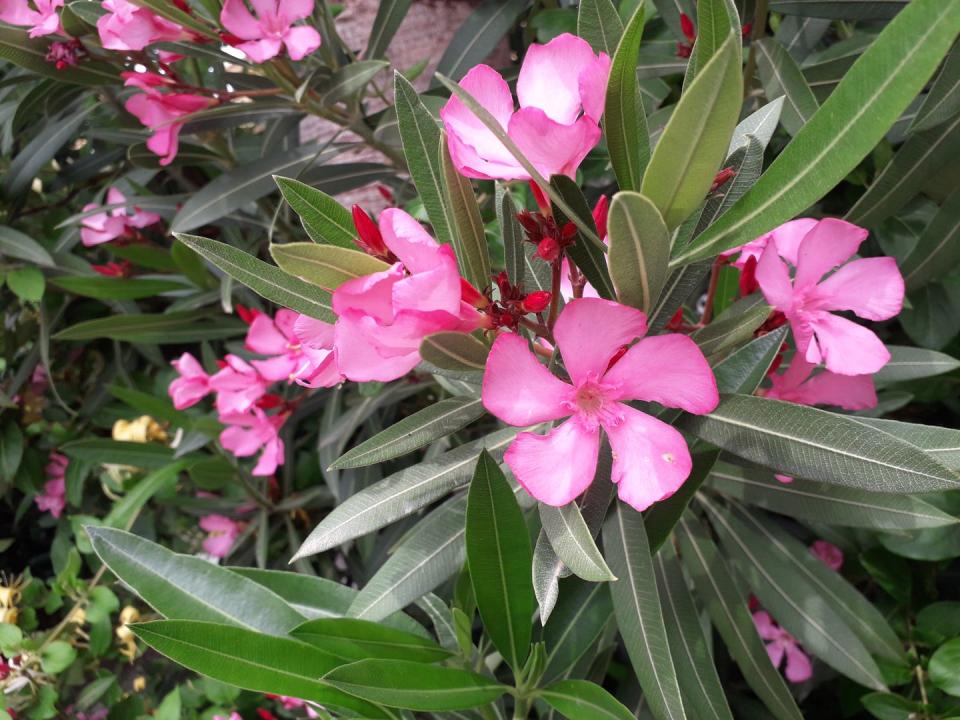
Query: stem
(758, 31)
(521, 708)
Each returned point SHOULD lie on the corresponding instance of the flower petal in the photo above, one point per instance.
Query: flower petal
(846, 347)
(799, 667)
(409, 241)
(435, 289)
(593, 86)
(850, 392)
(553, 148)
(871, 287)
(774, 279)
(264, 337)
(590, 331)
(550, 77)
(301, 41)
(831, 243)
(236, 18)
(518, 389)
(767, 629)
(557, 467)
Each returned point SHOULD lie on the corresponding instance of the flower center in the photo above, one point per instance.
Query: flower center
(594, 402)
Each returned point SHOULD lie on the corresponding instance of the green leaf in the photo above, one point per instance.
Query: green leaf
(589, 258)
(736, 325)
(413, 432)
(694, 143)
(499, 558)
(572, 540)
(943, 100)
(639, 250)
(326, 266)
(108, 288)
(578, 622)
(937, 252)
(14, 244)
(264, 279)
(887, 706)
(661, 519)
(848, 125)
(727, 608)
(390, 14)
(840, 9)
(27, 283)
(251, 660)
(349, 80)
(360, 639)
(699, 683)
(598, 22)
(744, 369)
(456, 351)
(31, 54)
(941, 443)
(101, 450)
(514, 249)
(479, 36)
(11, 450)
(911, 363)
(125, 510)
(324, 219)
(817, 445)
(170, 707)
(637, 608)
(172, 328)
(415, 686)
(781, 75)
(583, 700)
(934, 316)
(57, 657)
(185, 586)
(624, 122)
(716, 21)
(469, 240)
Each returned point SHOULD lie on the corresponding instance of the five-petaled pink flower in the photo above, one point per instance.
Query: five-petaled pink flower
(650, 458)
(383, 317)
(111, 224)
(872, 288)
(828, 553)
(780, 643)
(192, 385)
(261, 38)
(797, 384)
(250, 432)
(561, 89)
(42, 18)
(162, 112)
(292, 359)
(130, 27)
(222, 533)
(53, 499)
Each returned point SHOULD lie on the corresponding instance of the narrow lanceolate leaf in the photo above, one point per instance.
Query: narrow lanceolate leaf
(324, 219)
(413, 432)
(830, 504)
(14, 244)
(455, 351)
(840, 9)
(264, 279)
(400, 494)
(584, 700)
(746, 163)
(818, 445)
(920, 157)
(125, 510)
(760, 124)
(41, 149)
(31, 54)
(252, 661)
(184, 586)
(868, 100)
(469, 239)
(390, 14)
(781, 75)
(938, 442)
(716, 21)
(911, 363)
(355, 639)
(695, 141)
(589, 258)
(744, 369)
(479, 34)
(598, 22)
(109, 288)
(580, 620)
(661, 519)
(736, 325)
(161, 329)
(680, 285)
(349, 80)
(699, 683)
(624, 122)
(639, 250)
(513, 241)
(790, 598)
(573, 542)
(943, 100)
(499, 556)
(420, 135)
(415, 686)
(637, 608)
(937, 252)
(727, 607)
(326, 266)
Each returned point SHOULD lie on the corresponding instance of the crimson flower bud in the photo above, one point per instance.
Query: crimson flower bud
(536, 301)
(686, 25)
(543, 202)
(748, 277)
(470, 295)
(722, 177)
(600, 212)
(248, 315)
(548, 249)
(369, 238)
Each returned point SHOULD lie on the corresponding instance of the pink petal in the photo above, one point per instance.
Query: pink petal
(788, 237)
(236, 18)
(650, 458)
(408, 240)
(263, 336)
(165, 142)
(371, 294)
(871, 287)
(553, 148)
(850, 392)
(828, 553)
(282, 367)
(470, 163)
(271, 458)
(550, 77)
(775, 650)
(293, 10)
(259, 51)
(434, 289)
(831, 243)
(846, 347)
(774, 279)
(785, 479)
(312, 332)
(767, 629)
(799, 667)
(518, 389)
(285, 320)
(590, 331)
(593, 86)
(557, 467)
(301, 41)
(666, 369)
(361, 360)
(217, 523)
(18, 12)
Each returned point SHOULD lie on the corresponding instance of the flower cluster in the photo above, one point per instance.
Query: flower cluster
(111, 224)
(53, 499)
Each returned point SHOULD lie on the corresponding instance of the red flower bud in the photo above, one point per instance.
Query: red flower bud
(536, 301)
(745, 30)
(722, 177)
(548, 249)
(470, 295)
(676, 322)
(686, 25)
(600, 212)
(248, 315)
(543, 202)
(748, 277)
(387, 194)
(621, 351)
(369, 238)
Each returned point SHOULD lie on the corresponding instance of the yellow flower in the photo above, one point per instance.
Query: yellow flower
(139, 683)
(142, 430)
(128, 641)
(9, 615)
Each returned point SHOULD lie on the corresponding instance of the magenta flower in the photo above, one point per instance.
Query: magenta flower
(261, 38)
(292, 359)
(780, 643)
(561, 91)
(42, 18)
(161, 112)
(253, 432)
(795, 385)
(650, 458)
(316, 338)
(786, 237)
(53, 499)
(872, 288)
(108, 225)
(192, 385)
(222, 533)
(129, 27)
(238, 385)
(830, 554)
(383, 317)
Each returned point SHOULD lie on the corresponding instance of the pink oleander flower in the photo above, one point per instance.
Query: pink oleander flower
(161, 111)
(780, 643)
(129, 27)
(111, 224)
(316, 338)
(650, 458)
(42, 18)
(310, 359)
(383, 317)
(222, 533)
(870, 287)
(192, 385)
(238, 385)
(797, 385)
(561, 90)
(261, 38)
(786, 237)
(53, 499)
(830, 554)
(251, 432)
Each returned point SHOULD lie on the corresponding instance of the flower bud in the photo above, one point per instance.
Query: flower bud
(470, 295)
(536, 301)
(600, 212)
(369, 238)
(548, 249)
